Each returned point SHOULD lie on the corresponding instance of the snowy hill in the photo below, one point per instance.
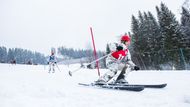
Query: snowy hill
(33, 86)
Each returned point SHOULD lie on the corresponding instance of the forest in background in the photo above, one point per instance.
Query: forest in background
(160, 42)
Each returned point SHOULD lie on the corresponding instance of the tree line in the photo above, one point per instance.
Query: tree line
(70, 53)
(74, 53)
(161, 41)
(21, 56)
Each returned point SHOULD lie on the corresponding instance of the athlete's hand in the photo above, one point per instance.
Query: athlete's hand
(119, 48)
(136, 68)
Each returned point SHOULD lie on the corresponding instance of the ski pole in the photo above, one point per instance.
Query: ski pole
(58, 67)
(99, 59)
(71, 72)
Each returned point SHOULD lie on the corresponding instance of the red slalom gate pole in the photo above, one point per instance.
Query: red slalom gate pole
(95, 55)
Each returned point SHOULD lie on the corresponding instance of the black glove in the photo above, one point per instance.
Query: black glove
(119, 48)
(48, 63)
(55, 62)
(136, 68)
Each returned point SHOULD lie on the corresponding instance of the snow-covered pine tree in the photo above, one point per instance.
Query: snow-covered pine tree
(3, 54)
(153, 31)
(145, 32)
(185, 29)
(171, 35)
(135, 42)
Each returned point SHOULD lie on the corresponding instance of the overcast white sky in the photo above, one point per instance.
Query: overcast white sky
(38, 25)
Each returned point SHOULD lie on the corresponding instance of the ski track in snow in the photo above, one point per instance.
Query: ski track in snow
(33, 86)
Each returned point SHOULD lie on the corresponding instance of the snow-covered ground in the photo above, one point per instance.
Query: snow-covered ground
(33, 86)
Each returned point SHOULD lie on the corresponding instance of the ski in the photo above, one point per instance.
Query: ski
(115, 87)
(144, 85)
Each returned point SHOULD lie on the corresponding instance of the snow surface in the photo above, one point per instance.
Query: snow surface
(33, 86)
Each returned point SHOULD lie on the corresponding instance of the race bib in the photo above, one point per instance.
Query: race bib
(120, 54)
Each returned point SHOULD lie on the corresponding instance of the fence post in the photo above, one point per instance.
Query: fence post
(183, 58)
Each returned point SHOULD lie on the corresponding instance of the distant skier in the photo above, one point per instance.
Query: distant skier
(52, 61)
(119, 58)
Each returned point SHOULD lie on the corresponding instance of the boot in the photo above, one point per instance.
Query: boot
(121, 79)
(103, 80)
(100, 82)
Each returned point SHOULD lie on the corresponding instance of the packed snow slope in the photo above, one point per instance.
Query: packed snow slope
(33, 86)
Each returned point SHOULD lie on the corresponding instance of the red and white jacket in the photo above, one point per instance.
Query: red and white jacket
(121, 56)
